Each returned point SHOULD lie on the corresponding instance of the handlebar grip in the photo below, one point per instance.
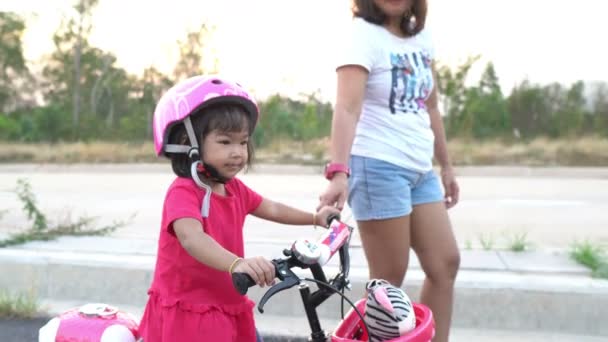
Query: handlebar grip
(242, 282)
(332, 217)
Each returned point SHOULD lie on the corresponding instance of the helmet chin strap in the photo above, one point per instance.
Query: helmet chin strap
(199, 167)
(211, 173)
(207, 199)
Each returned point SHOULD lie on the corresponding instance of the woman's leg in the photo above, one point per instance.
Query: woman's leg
(434, 243)
(386, 244)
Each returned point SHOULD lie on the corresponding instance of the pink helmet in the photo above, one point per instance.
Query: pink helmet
(189, 96)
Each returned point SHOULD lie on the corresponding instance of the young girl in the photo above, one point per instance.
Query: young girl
(204, 126)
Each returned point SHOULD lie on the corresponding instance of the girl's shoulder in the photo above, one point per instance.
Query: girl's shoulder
(182, 184)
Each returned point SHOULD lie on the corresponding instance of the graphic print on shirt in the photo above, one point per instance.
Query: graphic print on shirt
(411, 81)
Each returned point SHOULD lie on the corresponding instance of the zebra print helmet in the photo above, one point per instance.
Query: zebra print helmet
(388, 311)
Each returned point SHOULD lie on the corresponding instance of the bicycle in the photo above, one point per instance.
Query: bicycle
(306, 255)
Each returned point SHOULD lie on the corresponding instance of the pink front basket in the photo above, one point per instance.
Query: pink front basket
(351, 329)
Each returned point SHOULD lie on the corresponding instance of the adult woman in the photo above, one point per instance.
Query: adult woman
(386, 130)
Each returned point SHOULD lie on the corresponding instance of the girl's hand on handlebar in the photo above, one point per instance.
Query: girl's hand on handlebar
(261, 270)
(323, 213)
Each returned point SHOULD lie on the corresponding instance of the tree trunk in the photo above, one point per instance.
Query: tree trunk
(95, 91)
(110, 117)
(76, 92)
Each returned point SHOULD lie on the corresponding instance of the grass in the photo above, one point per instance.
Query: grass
(486, 241)
(78, 152)
(20, 305)
(583, 151)
(591, 255)
(468, 244)
(289, 151)
(518, 242)
(42, 230)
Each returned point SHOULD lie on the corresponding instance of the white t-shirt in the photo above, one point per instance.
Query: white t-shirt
(394, 125)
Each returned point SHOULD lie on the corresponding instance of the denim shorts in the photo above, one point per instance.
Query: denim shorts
(381, 190)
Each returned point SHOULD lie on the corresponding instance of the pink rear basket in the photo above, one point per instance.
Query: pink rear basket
(351, 329)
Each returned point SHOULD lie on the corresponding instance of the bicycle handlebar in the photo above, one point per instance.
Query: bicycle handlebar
(242, 281)
(337, 238)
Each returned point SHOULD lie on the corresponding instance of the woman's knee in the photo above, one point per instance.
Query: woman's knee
(445, 268)
(452, 264)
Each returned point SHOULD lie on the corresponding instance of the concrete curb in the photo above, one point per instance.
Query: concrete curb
(489, 299)
(271, 168)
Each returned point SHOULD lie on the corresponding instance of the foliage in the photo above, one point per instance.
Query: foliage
(18, 305)
(196, 56)
(14, 73)
(591, 255)
(87, 96)
(42, 230)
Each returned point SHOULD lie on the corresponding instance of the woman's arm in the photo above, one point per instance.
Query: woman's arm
(350, 93)
(448, 178)
(432, 105)
(349, 100)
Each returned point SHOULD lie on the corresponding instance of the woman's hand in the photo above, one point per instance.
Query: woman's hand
(260, 269)
(324, 213)
(335, 193)
(452, 190)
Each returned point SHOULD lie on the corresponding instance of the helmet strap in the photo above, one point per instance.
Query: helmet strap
(206, 205)
(194, 154)
(211, 173)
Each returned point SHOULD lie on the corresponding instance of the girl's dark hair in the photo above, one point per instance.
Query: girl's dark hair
(226, 118)
(367, 10)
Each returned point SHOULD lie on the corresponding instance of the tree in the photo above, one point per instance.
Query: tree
(146, 92)
(196, 54)
(65, 67)
(599, 106)
(569, 118)
(529, 109)
(452, 93)
(14, 73)
(84, 8)
(85, 80)
(485, 108)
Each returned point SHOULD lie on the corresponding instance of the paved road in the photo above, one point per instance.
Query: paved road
(554, 207)
(27, 331)
(20, 330)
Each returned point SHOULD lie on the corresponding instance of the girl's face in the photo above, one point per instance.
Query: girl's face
(394, 8)
(226, 151)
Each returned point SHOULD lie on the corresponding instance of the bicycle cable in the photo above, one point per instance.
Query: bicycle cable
(326, 285)
(350, 236)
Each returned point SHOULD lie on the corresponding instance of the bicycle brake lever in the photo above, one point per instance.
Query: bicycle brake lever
(288, 280)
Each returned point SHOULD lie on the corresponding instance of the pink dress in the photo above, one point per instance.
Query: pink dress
(189, 301)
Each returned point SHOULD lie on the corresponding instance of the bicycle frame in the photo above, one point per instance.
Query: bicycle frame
(353, 327)
(311, 300)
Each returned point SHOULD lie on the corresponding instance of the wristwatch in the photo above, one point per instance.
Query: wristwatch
(332, 168)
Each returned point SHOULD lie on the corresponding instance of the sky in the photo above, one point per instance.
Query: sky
(287, 46)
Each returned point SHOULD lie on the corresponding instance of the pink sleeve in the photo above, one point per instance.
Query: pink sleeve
(181, 202)
(251, 200)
